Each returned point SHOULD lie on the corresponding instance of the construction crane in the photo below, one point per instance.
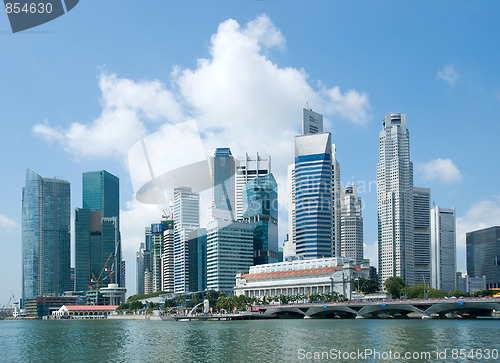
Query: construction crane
(12, 298)
(96, 281)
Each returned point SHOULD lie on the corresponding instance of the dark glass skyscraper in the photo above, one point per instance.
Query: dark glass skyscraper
(483, 255)
(45, 235)
(97, 233)
(223, 185)
(197, 241)
(101, 192)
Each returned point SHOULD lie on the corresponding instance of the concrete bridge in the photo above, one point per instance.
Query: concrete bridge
(424, 308)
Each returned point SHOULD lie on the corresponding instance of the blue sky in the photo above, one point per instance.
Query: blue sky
(78, 92)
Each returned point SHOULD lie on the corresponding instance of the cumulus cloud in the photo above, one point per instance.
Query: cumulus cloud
(133, 219)
(237, 91)
(126, 105)
(7, 224)
(449, 74)
(482, 214)
(443, 170)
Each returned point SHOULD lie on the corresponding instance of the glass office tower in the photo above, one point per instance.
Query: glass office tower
(314, 208)
(46, 224)
(223, 184)
(260, 208)
(98, 256)
(483, 255)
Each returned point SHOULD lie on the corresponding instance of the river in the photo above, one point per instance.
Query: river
(282, 340)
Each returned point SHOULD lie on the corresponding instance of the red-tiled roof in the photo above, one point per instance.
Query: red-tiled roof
(91, 307)
(312, 271)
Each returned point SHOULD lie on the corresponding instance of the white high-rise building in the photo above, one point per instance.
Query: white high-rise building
(248, 168)
(229, 251)
(395, 201)
(443, 248)
(186, 220)
(167, 261)
(351, 225)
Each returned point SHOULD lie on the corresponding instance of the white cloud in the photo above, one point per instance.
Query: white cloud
(483, 214)
(237, 91)
(125, 106)
(449, 74)
(443, 170)
(133, 219)
(7, 225)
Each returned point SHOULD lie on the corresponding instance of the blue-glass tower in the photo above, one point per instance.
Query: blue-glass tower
(314, 208)
(223, 185)
(46, 215)
(97, 234)
(260, 207)
(100, 191)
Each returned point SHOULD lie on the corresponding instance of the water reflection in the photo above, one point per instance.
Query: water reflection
(238, 341)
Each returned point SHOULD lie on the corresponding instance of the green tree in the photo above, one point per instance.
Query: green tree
(136, 305)
(395, 286)
(123, 306)
(181, 299)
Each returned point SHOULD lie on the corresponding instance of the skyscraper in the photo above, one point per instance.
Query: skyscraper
(351, 225)
(483, 255)
(312, 122)
(198, 260)
(443, 248)
(101, 191)
(422, 234)
(260, 208)
(223, 184)
(248, 168)
(162, 246)
(144, 260)
(46, 224)
(313, 193)
(229, 251)
(98, 256)
(336, 195)
(395, 201)
(186, 220)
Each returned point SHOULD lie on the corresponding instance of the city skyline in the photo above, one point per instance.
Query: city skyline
(85, 115)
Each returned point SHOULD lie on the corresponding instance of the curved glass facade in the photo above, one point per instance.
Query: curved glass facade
(46, 214)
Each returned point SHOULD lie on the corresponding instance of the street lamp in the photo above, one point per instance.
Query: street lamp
(426, 292)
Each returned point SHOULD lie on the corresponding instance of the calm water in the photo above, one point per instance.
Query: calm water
(242, 341)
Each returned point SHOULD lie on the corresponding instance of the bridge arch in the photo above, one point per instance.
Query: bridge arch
(370, 310)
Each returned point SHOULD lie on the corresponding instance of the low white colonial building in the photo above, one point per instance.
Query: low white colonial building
(84, 311)
(323, 275)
